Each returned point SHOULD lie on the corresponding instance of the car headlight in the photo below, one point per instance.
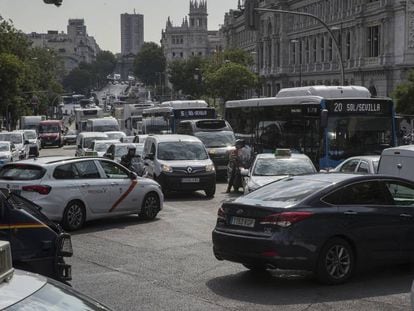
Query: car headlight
(210, 168)
(166, 168)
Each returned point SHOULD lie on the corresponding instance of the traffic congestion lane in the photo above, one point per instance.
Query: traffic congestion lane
(168, 264)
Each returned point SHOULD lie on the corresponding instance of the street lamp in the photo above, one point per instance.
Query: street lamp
(294, 41)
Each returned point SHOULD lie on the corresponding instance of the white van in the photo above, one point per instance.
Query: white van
(179, 163)
(102, 125)
(84, 142)
(397, 161)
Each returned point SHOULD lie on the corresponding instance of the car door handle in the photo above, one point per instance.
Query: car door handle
(350, 213)
(406, 215)
(114, 184)
(84, 185)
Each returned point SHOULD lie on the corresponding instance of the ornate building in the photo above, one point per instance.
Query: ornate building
(192, 38)
(74, 47)
(376, 43)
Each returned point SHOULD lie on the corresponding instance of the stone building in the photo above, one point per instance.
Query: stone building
(73, 47)
(375, 39)
(192, 38)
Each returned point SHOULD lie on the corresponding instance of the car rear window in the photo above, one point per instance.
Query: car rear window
(21, 172)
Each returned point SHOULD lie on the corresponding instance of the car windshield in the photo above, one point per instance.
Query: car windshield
(280, 166)
(30, 135)
(181, 150)
(48, 128)
(4, 147)
(105, 128)
(115, 135)
(71, 132)
(14, 138)
(286, 192)
(89, 140)
(217, 139)
(100, 147)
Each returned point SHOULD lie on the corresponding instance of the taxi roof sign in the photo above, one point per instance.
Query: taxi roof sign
(6, 266)
(283, 153)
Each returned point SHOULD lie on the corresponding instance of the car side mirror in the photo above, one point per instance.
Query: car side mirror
(133, 175)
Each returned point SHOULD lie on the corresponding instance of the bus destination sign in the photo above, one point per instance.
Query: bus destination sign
(194, 113)
(381, 107)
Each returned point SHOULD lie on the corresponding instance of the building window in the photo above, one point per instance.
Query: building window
(314, 50)
(348, 45)
(293, 60)
(307, 52)
(173, 54)
(330, 50)
(373, 41)
(181, 54)
(322, 49)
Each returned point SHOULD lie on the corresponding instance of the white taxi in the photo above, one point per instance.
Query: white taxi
(268, 167)
(75, 190)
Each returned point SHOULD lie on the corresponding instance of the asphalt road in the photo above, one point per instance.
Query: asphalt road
(168, 264)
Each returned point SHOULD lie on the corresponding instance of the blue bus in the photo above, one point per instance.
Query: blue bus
(327, 123)
(165, 118)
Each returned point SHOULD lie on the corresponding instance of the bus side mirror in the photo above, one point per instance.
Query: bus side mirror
(324, 118)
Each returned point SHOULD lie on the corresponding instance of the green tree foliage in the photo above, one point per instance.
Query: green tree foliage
(187, 76)
(150, 63)
(90, 76)
(404, 95)
(230, 81)
(24, 74)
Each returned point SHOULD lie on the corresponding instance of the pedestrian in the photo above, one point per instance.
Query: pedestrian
(240, 158)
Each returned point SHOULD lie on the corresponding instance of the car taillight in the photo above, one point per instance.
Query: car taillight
(221, 214)
(37, 188)
(285, 219)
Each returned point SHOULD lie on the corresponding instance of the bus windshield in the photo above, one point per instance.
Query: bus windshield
(216, 139)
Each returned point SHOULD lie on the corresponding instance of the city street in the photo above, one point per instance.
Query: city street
(168, 264)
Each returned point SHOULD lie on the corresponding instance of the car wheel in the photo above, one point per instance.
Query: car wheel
(150, 206)
(74, 216)
(210, 191)
(336, 262)
(257, 268)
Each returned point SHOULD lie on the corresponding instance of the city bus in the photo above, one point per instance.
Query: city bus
(165, 118)
(327, 123)
(82, 115)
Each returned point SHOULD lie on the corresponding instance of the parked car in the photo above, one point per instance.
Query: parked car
(21, 290)
(326, 223)
(8, 152)
(33, 140)
(75, 190)
(17, 139)
(268, 167)
(359, 164)
(70, 137)
(179, 163)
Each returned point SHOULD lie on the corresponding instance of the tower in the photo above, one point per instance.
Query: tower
(198, 14)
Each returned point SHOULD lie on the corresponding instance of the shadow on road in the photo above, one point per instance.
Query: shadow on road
(120, 222)
(290, 288)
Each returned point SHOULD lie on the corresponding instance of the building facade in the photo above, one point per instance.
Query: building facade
(73, 47)
(192, 38)
(132, 33)
(375, 40)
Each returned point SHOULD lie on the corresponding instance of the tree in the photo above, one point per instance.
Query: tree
(79, 80)
(187, 76)
(150, 63)
(404, 95)
(230, 81)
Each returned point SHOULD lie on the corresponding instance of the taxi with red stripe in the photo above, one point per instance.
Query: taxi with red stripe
(75, 190)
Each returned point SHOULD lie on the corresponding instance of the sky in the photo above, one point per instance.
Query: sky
(102, 17)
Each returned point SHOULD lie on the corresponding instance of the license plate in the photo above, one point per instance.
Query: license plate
(190, 180)
(244, 222)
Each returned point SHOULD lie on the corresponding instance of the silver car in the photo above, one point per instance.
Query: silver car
(8, 153)
(359, 164)
(268, 167)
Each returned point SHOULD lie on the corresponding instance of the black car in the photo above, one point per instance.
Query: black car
(326, 223)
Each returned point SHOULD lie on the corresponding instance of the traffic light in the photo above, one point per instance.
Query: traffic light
(55, 2)
(251, 16)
